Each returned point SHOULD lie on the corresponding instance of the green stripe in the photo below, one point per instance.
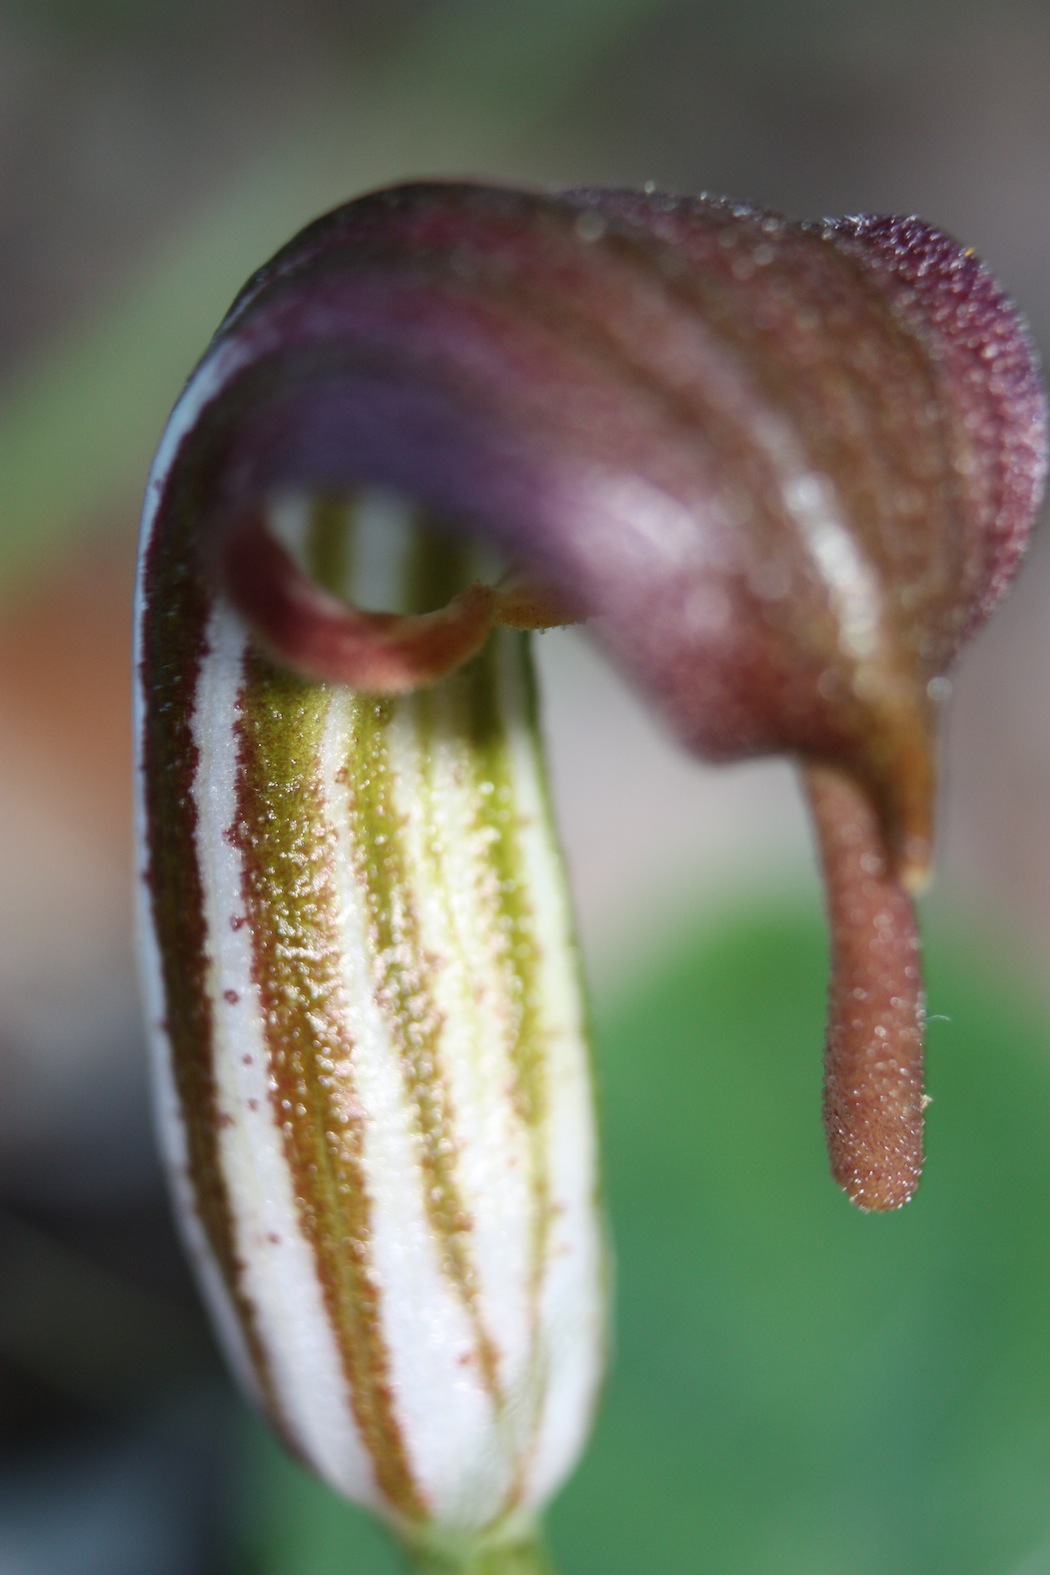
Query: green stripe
(475, 704)
(498, 816)
(436, 568)
(481, 705)
(328, 548)
(289, 849)
(404, 993)
(519, 957)
(439, 566)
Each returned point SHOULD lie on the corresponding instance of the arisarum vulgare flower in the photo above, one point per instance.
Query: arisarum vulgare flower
(784, 471)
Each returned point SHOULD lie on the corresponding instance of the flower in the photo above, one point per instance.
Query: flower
(784, 470)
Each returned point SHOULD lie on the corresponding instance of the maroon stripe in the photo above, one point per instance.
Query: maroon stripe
(177, 606)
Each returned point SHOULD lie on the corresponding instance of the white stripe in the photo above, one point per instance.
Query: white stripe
(167, 1113)
(172, 1139)
(440, 1404)
(288, 521)
(456, 908)
(443, 1408)
(385, 532)
(207, 381)
(280, 1273)
(851, 583)
(571, 1336)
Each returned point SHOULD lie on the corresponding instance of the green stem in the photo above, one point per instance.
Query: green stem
(527, 1557)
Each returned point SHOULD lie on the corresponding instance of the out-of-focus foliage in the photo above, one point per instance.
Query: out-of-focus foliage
(796, 1388)
(78, 427)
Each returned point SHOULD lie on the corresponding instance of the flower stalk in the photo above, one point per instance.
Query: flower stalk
(510, 1558)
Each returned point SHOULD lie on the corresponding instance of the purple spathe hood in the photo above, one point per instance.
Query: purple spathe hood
(785, 469)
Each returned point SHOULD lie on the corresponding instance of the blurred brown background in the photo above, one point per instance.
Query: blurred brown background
(152, 152)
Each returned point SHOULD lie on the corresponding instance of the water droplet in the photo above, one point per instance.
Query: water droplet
(590, 225)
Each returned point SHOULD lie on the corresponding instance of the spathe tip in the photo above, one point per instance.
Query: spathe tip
(915, 872)
(898, 774)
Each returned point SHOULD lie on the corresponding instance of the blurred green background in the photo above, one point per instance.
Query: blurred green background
(796, 1388)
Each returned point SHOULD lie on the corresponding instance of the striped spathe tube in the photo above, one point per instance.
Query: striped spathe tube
(374, 1088)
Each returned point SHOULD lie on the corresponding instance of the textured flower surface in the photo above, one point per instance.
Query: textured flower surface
(784, 470)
